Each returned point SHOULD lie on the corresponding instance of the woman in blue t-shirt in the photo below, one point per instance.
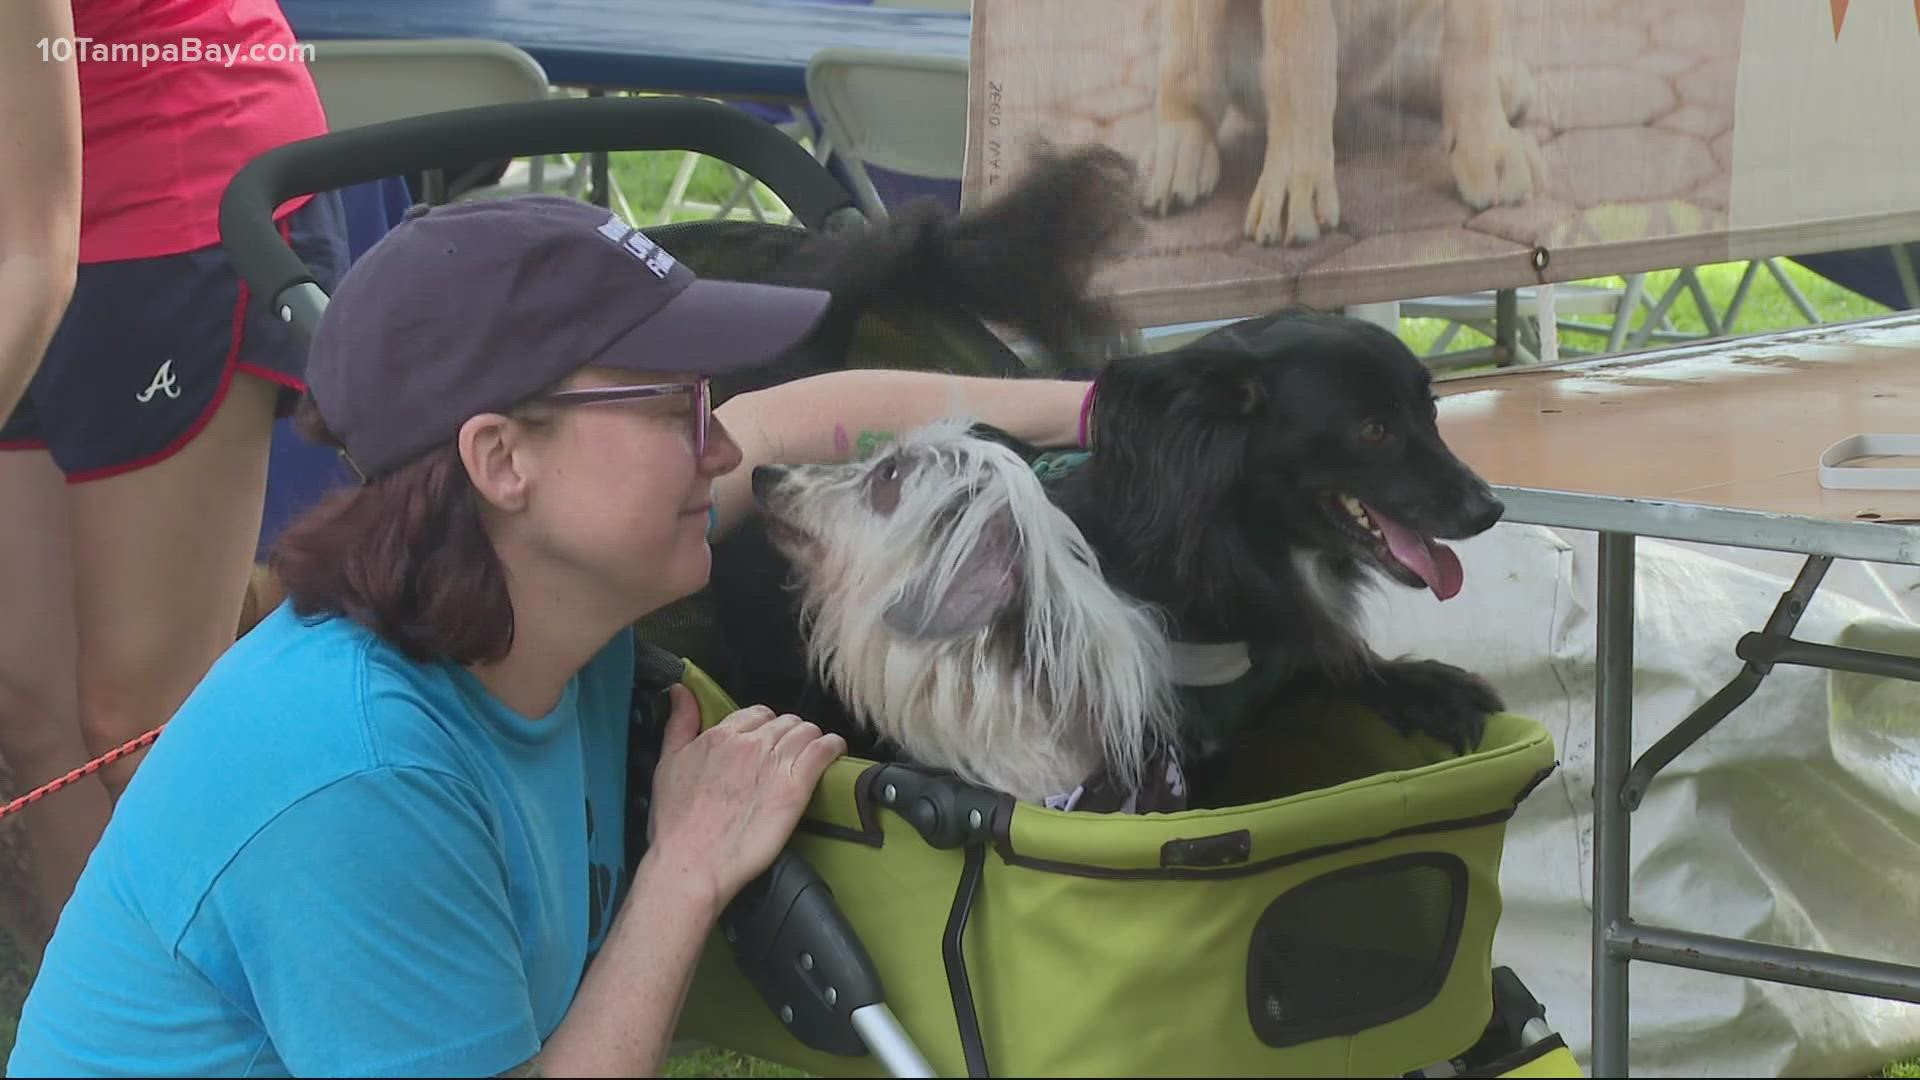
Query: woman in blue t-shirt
(384, 835)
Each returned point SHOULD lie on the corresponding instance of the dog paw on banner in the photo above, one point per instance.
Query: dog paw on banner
(1795, 821)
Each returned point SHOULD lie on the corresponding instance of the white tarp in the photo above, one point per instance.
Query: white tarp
(1796, 821)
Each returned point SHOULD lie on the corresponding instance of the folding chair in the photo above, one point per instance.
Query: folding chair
(903, 112)
(366, 81)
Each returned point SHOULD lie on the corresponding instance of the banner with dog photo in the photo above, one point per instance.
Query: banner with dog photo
(1334, 152)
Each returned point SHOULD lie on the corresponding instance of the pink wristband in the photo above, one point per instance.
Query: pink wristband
(1086, 418)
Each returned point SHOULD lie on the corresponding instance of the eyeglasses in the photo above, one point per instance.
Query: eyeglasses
(702, 402)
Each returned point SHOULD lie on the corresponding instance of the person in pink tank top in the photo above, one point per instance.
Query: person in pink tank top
(133, 461)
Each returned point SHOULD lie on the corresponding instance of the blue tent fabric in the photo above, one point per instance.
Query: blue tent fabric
(1867, 271)
(299, 472)
(896, 189)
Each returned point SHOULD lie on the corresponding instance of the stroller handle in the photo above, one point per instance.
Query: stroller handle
(521, 129)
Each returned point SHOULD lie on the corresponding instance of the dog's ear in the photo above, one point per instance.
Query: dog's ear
(986, 583)
(1235, 389)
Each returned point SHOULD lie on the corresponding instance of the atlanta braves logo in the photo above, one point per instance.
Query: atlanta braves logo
(163, 382)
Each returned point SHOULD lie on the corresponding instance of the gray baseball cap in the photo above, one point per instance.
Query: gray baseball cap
(475, 307)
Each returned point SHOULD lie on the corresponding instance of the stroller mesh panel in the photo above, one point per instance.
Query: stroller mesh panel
(1355, 948)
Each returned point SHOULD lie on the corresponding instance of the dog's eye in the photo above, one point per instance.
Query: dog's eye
(1373, 432)
(883, 490)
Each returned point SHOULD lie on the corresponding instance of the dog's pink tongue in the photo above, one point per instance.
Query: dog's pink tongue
(1434, 561)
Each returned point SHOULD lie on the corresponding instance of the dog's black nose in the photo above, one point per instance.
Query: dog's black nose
(1487, 512)
(766, 478)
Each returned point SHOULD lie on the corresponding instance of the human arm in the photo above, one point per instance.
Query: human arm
(724, 802)
(39, 188)
(829, 417)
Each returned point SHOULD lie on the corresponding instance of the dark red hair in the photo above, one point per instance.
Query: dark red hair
(407, 556)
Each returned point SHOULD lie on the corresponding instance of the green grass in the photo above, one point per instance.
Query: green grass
(724, 1063)
(1767, 307)
(645, 177)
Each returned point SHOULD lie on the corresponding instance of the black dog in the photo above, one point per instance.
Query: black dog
(1251, 484)
(926, 287)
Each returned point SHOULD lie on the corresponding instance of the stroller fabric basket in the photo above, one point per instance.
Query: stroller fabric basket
(1342, 929)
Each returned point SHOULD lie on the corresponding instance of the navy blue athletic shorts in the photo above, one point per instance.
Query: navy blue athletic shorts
(148, 347)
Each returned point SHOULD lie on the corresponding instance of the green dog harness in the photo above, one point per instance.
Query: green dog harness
(1058, 463)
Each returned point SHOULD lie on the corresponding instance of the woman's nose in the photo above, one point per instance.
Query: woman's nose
(723, 454)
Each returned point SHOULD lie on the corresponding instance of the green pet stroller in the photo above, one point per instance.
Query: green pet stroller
(1339, 924)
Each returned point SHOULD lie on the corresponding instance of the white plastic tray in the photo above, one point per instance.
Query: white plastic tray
(1870, 478)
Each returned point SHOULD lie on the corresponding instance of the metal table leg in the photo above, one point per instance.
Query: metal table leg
(1761, 651)
(1618, 790)
(1612, 751)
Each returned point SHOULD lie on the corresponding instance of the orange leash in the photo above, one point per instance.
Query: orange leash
(91, 767)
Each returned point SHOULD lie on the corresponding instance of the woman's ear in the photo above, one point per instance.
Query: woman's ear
(493, 450)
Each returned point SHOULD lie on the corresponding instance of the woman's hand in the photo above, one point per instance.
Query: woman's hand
(724, 803)
(725, 800)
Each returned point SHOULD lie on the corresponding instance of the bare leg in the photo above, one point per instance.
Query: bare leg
(162, 559)
(39, 721)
